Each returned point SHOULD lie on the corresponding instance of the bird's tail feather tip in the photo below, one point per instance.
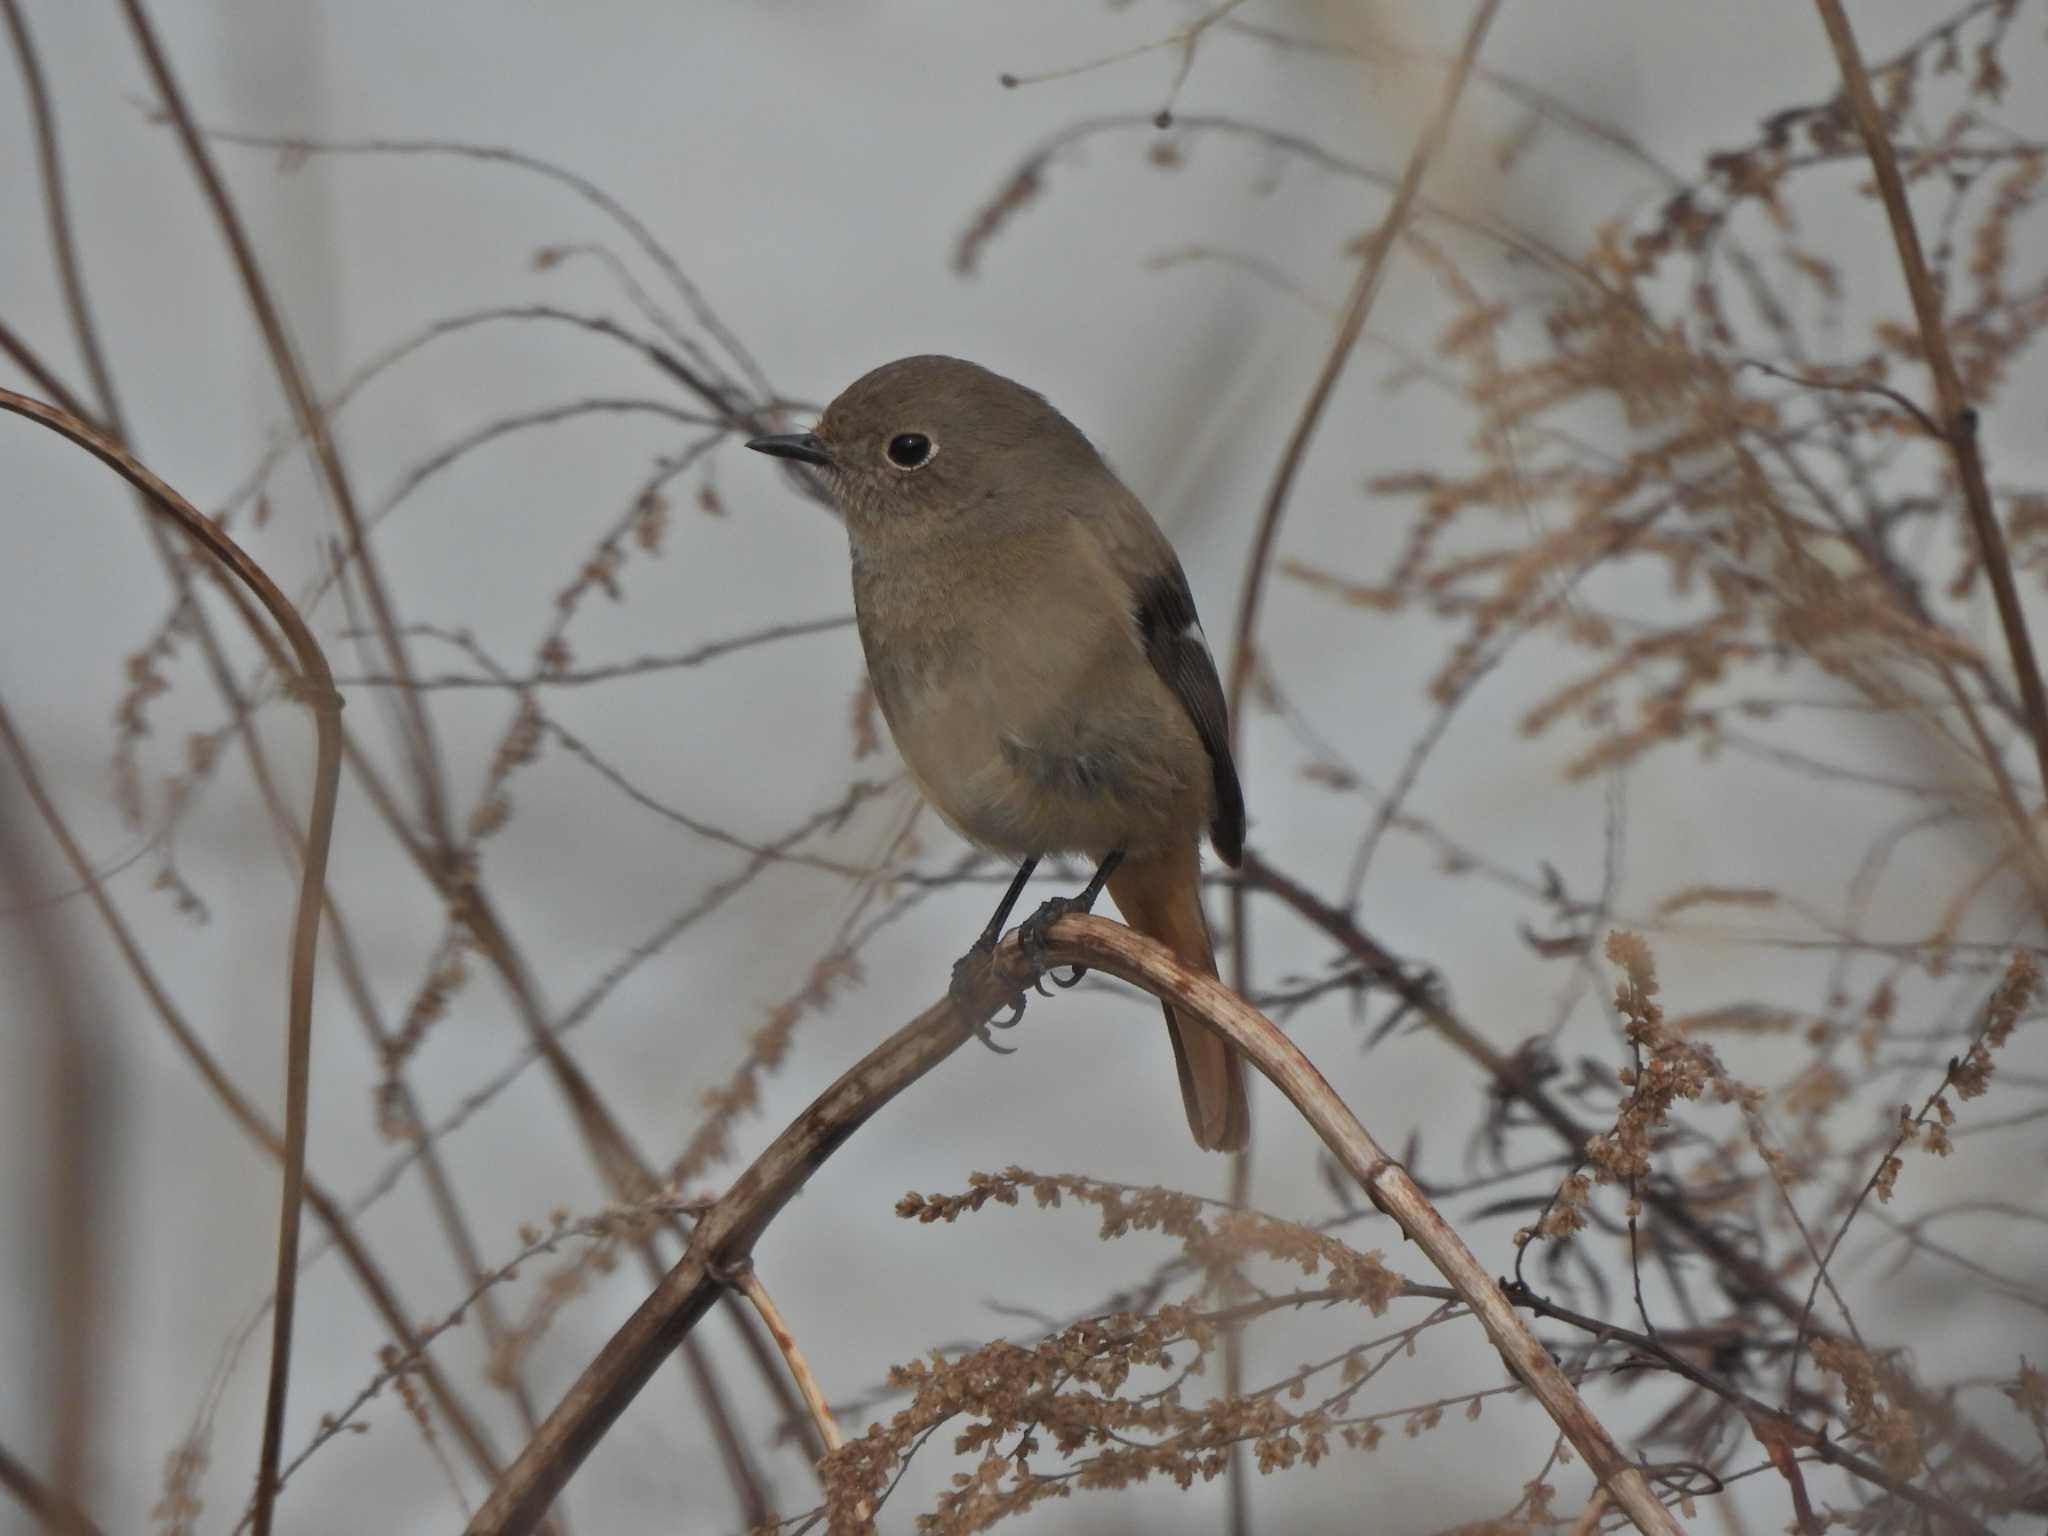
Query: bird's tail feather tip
(1212, 1085)
(1162, 898)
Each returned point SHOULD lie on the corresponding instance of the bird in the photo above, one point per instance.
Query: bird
(1033, 643)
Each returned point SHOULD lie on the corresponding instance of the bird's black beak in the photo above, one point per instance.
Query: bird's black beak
(794, 445)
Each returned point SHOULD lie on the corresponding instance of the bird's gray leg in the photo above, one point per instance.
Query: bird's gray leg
(964, 968)
(1033, 931)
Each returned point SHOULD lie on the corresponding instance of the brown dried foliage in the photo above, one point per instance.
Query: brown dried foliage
(1704, 487)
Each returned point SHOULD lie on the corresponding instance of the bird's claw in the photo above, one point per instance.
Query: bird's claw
(970, 968)
(1032, 934)
(967, 973)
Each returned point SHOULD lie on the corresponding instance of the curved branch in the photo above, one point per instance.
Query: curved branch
(315, 685)
(726, 1235)
(720, 1241)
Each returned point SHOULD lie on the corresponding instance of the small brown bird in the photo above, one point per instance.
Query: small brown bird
(1034, 646)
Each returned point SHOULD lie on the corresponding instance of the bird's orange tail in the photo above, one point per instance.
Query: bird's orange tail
(1161, 897)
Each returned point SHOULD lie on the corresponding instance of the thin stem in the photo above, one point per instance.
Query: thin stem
(312, 424)
(1958, 420)
(1763, 1418)
(723, 1238)
(1511, 1079)
(79, 1250)
(315, 685)
(54, 1512)
(328, 1210)
(31, 363)
(110, 418)
(64, 249)
(1349, 327)
(748, 1281)
(732, 1450)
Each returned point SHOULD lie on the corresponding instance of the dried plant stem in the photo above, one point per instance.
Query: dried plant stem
(1590, 1517)
(51, 1510)
(724, 1237)
(732, 1447)
(791, 1415)
(79, 1248)
(1508, 1076)
(64, 249)
(312, 424)
(1510, 1079)
(110, 418)
(1765, 1421)
(1238, 1488)
(1116, 950)
(728, 1231)
(315, 685)
(1958, 421)
(326, 1208)
(1244, 654)
(624, 1171)
(748, 1281)
(31, 363)
(1350, 325)
(2033, 862)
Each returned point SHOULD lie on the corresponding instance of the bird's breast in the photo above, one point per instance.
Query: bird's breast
(1025, 708)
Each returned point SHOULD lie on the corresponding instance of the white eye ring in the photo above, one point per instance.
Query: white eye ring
(910, 451)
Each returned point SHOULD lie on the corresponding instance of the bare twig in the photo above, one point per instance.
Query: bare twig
(315, 685)
(80, 1250)
(1028, 175)
(31, 363)
(1511, 1079)
(711, 384)
(57, 205)
(312, 424)
(110, 418)
(375, 1284)
(106, 413)
(1763, 1418)
(570, 677)
(55, 1513)
(723, 1238)
(1187, 39)
(732, 1449)
(1119, 952)
(1958, 419)
(1849, 386)
(748, 1281)
(1243, 653)
(1590, 1517)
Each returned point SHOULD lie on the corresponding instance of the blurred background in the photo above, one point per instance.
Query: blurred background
(485, 225)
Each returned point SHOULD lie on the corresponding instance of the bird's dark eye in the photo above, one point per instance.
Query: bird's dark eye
(909, 450)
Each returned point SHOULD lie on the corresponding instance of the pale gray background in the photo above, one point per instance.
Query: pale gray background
(811, 165)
